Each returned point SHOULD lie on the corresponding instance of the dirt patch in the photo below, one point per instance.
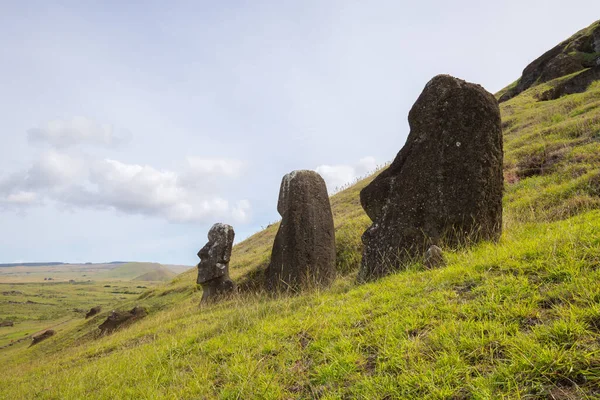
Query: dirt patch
(539, 164)
(529, 322)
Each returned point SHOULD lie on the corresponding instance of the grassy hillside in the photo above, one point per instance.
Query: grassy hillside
(36, 306)
(60, 272)
(159, 275)
(515, 319)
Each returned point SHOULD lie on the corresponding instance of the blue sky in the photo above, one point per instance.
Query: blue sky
(128, 129)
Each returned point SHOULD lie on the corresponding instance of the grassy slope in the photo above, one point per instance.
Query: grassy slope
(517, 319)
(159, 275)
(36, 306)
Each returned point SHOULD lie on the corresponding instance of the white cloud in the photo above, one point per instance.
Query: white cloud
(218, 166)
(337, 176)
(241, 212)
(77, 130)
(21, 198)
(84, 182)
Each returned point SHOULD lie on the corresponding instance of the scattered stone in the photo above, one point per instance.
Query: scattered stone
(119, 318)
(93, 311)
(12, 293)
(7, 323)
(434, 257)
(213, 268)
(575, 54)
(42, 336)
(304, 249)
(445, 185)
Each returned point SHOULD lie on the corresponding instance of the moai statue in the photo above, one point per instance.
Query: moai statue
(445, 185)
(303, 252)
(213, 269)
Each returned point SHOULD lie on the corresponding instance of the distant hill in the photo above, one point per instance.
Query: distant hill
(159, 275)
(32, 264)
(132, 270)
(54, 263)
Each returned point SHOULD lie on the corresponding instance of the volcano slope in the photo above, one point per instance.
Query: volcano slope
(515, 319)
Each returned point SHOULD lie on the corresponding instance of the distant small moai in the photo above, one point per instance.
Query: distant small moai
(304, 249)
(444, 187)
(213, 269)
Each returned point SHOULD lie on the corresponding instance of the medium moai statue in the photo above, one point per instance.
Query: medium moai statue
(303, 252)
(445, 185)
(213, 269)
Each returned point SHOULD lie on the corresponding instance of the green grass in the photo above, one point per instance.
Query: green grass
(36, 306)
(518, 319)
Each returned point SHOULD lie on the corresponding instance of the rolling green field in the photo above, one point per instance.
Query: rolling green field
(33, 307)
(34, 304)
(88, 272)
(517, 319)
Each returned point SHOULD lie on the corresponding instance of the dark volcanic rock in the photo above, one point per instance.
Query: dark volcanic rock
(579, 52)
(42, 336)
(6, 323)
(119, 318)
(93, 311)
(445, 185)
(577, 84)
(213, 269)
(304, 249)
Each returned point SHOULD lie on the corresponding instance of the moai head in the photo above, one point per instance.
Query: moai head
(215, 255)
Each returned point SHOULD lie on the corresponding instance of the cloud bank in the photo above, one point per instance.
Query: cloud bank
(75, 131)
(74, 180)
(338, 176)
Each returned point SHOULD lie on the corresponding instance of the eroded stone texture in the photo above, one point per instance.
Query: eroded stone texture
(445, 185)
(577, 53)
(575, 84)
(117, 319)
(93, 311)
(213, 269)
(303, 252)
(42, 336)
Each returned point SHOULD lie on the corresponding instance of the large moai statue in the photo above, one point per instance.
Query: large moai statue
(304, 249)
(445, 185)
(213, 269)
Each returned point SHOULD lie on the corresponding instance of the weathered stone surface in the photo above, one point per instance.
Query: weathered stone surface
(119, 318)
(303, 252)
(93, 311)
(579, 52)
(434, 257)
(576, 84)
(42, 336)
(213, 269)
(445, 185)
